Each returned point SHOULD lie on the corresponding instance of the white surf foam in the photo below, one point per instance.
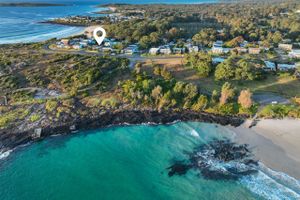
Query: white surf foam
(272, 185)
(5, 154)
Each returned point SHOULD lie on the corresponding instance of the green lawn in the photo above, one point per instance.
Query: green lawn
(285, 85)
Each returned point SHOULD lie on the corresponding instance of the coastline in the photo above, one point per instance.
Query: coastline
(275, 142)
(11, 138)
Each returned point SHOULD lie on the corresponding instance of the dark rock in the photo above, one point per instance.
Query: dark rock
(219, 159)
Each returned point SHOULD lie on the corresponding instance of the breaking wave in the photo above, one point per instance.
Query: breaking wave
(272, 185)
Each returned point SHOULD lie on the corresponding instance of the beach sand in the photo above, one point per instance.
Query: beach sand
(276, 143)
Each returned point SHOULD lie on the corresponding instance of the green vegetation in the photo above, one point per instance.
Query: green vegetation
(35, 117)
(280, 111)
(201, 62)
(13, 115)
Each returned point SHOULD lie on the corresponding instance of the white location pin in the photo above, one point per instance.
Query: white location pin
(97, 38)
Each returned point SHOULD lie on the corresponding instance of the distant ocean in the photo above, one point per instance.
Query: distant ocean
(129, 163)
(21, 24)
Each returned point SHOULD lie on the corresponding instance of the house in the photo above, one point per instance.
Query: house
(295, 53)
(65, 42)
(286, 67)
(241, 50)
(154, 51)
(77, 46)
(218, 47)
(3, 101)
(269, 66)
(217, 60)
(165, 50)
(285, 47)
(131, 49)
(254, 50)
(106, 49)
(192, 49)
(178, 50)
(244, 44)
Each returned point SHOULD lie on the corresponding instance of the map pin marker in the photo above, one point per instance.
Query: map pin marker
(97, 38)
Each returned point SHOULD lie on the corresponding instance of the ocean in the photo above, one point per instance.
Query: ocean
(130, 162)
(22, 24)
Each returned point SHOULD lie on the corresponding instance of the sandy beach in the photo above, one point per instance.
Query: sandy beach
(276, 143)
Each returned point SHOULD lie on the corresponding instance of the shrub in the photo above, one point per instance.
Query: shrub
(35, 117)
(51, 105)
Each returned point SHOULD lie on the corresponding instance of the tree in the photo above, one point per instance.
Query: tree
(201, 103)
(202, 62)
(154, 37)
(145, 42)
(137, 68)
(206, 36)
(165, 101)
(244, 71)
(224, 71)
(157, 93)
(215, 96)
(245, 99)
(227, 93)
(190, 91)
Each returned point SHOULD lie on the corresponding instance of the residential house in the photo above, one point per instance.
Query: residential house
(154, 51)
(218, 47)
(269, 66)
(65, 41)
(217, 60)
(165, 50)
(178, 50)
(244, 44)
(192, 49)
(131, 49)
(241, 50)
(286, 67)
(285, 47)
(295, 53)
(77, 46)
(254, 50)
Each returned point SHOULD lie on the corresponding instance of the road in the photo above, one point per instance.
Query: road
(133, 58)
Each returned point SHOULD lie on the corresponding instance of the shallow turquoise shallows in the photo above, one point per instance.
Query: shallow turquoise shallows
(126, 162)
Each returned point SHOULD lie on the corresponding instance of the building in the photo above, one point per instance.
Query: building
(254, 50)
(192, 49)
(244, 44)
(269, 66)
(218, 47)
(217, 60)
(65, 42)
(286, 67)
(165, 50)
(241, 50)
(295, 53)
(154, 51)
(131, 49)
(178, 50)
(285, 47)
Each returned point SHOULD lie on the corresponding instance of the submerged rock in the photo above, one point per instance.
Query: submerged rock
(219, 159)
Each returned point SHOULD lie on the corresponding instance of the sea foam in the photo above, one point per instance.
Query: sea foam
(272, 185)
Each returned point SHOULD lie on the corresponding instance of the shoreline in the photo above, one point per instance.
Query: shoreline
(274, 142)
(11, 138)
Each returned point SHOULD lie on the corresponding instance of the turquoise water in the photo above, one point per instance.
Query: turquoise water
(126, 163)
(22, 24)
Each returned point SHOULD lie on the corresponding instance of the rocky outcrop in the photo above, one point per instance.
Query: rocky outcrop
(219, 159)
(12, 137)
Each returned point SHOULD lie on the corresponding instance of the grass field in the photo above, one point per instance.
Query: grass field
(283, 84)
